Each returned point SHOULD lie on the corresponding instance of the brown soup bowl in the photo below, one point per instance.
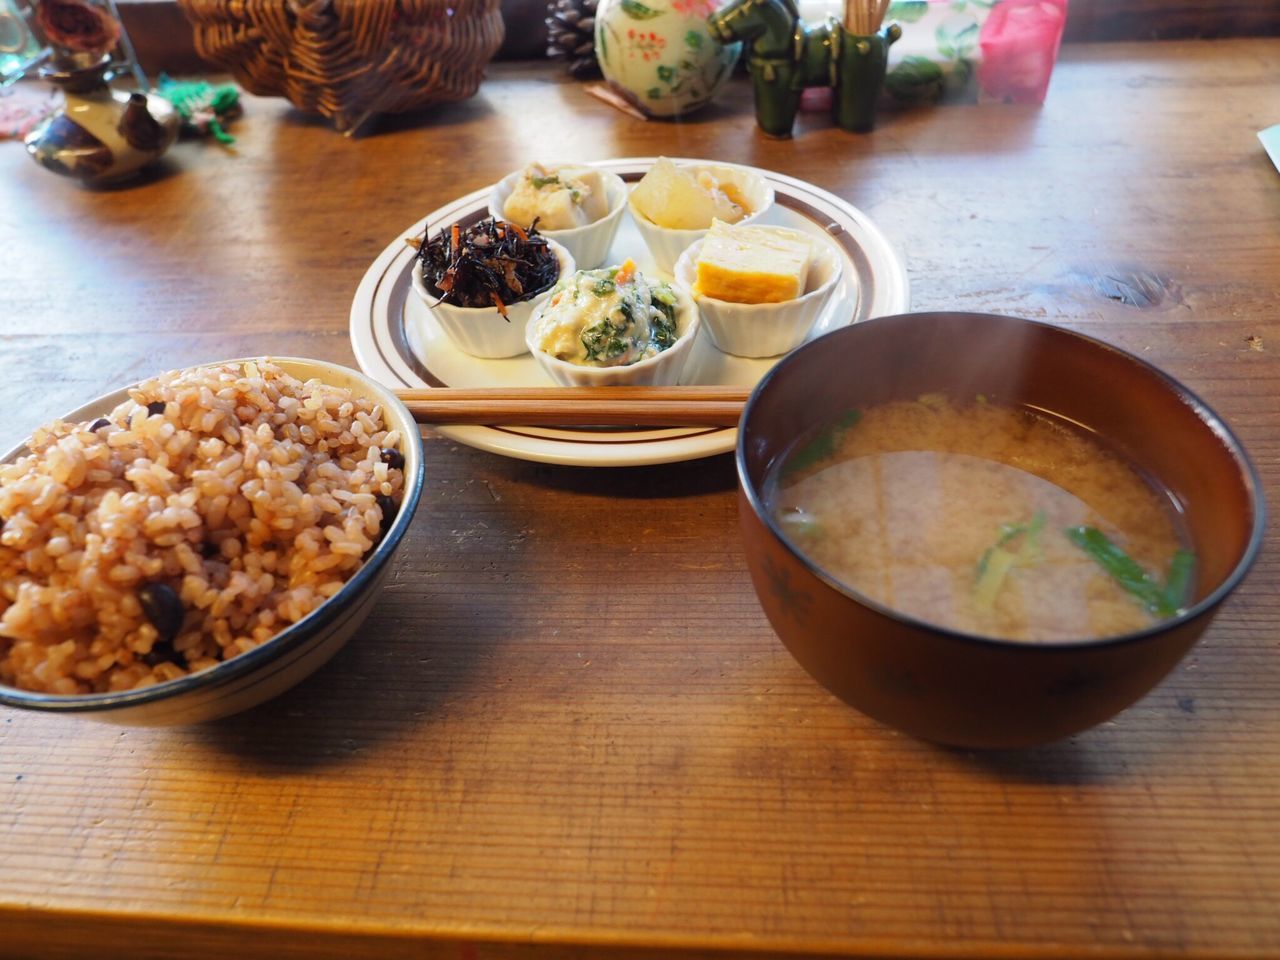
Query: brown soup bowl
(941, 684)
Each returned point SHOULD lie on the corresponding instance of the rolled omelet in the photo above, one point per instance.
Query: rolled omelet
(751, 265)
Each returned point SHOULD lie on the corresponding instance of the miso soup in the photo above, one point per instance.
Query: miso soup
(988, 519)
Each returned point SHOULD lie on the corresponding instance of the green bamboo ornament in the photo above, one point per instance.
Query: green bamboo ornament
(861, 65)
(785, 55)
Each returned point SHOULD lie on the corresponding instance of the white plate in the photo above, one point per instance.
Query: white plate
(398, 343)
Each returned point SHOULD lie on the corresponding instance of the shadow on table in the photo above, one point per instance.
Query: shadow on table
(1079, 761)
(404, 668)
(434, 115)
(1154, 737)
(691, 478)
(165, 168)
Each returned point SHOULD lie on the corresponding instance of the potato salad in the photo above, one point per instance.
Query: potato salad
(607, 318)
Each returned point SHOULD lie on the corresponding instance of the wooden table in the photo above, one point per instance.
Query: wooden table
(510, 762)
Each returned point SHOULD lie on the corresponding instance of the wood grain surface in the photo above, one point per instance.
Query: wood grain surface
(1170, 19)
(568, 730)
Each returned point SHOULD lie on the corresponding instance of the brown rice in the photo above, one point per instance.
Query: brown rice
(249, 494)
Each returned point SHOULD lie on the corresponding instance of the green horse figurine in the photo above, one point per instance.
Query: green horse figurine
(785, 56)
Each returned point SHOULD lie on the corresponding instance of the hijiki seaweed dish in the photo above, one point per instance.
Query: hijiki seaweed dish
(490, 264)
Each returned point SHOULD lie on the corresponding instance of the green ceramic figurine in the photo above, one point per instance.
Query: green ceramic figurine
(785, 55)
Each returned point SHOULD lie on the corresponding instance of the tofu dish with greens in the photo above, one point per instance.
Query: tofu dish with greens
(611, 317)
(557, 198)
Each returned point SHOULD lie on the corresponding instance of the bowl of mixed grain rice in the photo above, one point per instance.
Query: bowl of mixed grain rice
(192, 545)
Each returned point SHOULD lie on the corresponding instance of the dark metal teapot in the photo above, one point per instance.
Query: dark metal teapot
(100, 135)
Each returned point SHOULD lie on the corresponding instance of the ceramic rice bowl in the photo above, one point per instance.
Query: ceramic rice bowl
(257, 675)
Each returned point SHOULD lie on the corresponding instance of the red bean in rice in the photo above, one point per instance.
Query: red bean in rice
(252, 495)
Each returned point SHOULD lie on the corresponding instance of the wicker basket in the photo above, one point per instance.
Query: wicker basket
(350, 59)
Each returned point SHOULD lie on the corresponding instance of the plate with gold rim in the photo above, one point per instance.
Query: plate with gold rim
(398, 342)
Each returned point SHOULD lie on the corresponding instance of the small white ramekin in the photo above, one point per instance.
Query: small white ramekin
(589, 244)
(666, 244)
(765, 329)
(662, 370)
(483, 331)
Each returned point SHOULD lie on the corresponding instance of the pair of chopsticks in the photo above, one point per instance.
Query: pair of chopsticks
(578, 406)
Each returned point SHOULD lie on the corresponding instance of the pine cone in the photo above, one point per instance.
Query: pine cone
(571, 28)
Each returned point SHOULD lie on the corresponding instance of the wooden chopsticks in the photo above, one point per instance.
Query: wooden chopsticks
(578, 406)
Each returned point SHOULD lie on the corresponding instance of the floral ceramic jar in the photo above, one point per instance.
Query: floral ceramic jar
(658, 53)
